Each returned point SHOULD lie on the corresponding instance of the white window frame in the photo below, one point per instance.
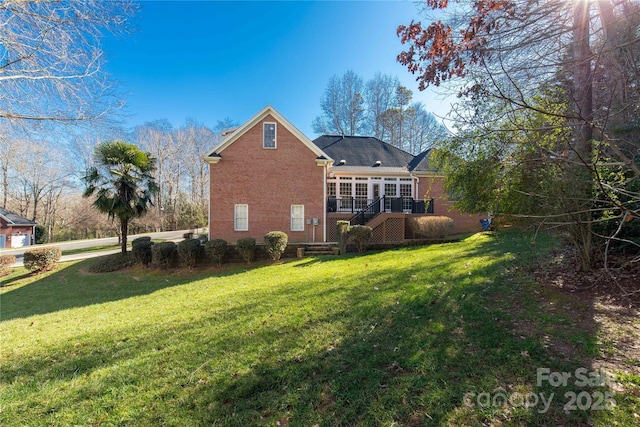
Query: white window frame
(236, 211)
(295, 226)
(275, 135)
(332, 188)
(405, 190)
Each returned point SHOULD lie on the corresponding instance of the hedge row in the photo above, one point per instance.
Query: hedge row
(430, 227)
(141, 250)
(192, 251)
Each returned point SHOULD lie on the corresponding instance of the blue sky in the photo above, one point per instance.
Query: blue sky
(209, 60)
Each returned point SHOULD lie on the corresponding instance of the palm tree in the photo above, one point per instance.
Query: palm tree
(122, 182)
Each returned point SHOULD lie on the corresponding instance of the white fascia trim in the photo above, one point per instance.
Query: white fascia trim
(369, 171)
(9, 222)
(427, 174)
(230, 139)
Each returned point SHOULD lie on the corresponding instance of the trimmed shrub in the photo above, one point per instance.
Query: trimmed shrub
(164, 254)
(41, 234)
(276, 243)
(247, 248)
(113, 262)
(189, 251)
(430, 227)
(361, 235)
(41, 259)
(343, 235)
(6, 261)
(216, 250)
(141, 250)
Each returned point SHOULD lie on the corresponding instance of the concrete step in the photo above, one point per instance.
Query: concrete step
(319, 249)
(317, 253)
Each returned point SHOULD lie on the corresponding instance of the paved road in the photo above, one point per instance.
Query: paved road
(82, 244)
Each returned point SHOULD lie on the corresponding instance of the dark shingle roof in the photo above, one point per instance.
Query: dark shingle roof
(367, 150)
(15, 219)
(362, 151)
(421, 162)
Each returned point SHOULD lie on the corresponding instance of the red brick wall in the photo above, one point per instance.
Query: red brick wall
(462, 223)
(269, 181)
(16, 229)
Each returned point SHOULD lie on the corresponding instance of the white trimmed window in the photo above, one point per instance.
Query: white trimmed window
(297, 217)
(407, 194)
(331, 189)
(362, 189)
(241, 218)
(345, 188)
(390, 190)
(405, 190)
(268, 135)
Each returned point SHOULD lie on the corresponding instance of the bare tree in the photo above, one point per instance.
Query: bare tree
(342, 106)
(383, 109)
(422, 129)
(42, 173)
(408, 125)
(11, 154)
(195, 139)
(51, 64)
(156, 138)
(379, 97)
(224, 125)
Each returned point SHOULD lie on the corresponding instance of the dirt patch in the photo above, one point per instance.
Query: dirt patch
(605, 300)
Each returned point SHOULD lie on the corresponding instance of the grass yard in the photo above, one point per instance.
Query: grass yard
(108, 247)
(407, 337)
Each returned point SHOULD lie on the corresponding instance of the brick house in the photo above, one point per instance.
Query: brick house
(15, 231)
(266, 175)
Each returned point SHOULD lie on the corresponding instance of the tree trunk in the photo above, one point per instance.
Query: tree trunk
(123, 233)
(5, 185)
(580, 233)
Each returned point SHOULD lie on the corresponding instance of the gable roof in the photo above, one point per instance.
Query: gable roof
(215, 156)
(360, 152)
(14, 219)
(421, 163)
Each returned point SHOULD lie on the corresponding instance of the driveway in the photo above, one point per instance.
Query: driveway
(175, 236)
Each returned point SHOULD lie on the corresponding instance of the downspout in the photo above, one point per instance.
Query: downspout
(324, 202)
(209, 206)
(416, 185)
(211, 160)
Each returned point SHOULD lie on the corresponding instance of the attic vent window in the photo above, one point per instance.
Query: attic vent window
(268, 135)
(342, 162)
(378, 162)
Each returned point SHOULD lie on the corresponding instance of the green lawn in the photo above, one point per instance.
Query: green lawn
(108, 247)
(404, 337)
